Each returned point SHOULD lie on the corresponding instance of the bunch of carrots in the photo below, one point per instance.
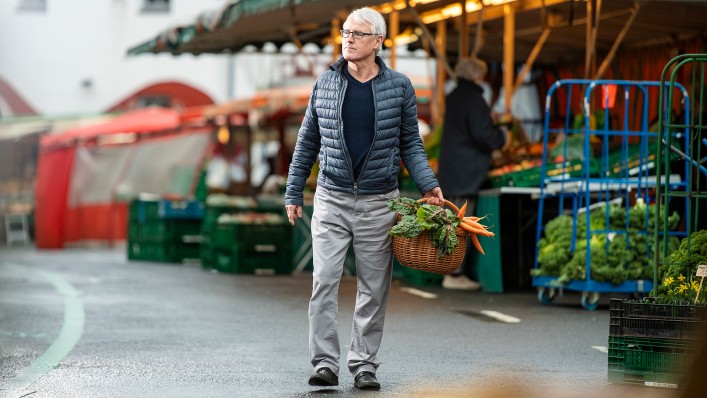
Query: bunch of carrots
(474, 227)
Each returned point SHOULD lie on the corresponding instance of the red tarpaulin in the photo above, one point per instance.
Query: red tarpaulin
(57, 221)
(138, 121)
(53, 175)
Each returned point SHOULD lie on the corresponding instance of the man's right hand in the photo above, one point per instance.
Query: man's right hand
(293, 212)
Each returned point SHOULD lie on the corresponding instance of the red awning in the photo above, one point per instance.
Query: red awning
(145, 120)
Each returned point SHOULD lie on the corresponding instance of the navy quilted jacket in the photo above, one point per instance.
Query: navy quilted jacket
(396, 138)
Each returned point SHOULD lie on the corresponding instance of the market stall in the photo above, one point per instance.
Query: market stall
(87, 176)
(525, 41)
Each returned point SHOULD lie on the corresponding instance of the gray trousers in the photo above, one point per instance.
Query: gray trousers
(338, 220)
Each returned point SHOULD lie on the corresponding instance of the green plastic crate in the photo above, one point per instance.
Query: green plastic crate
(531, 177)
(420, 278)
(207, 257)
(619, 165)
(643, 359)
(246, 236)
(646, 378)
(249, 248)
(164, 252)
(144, 210)
(166, 230)
(270, 261)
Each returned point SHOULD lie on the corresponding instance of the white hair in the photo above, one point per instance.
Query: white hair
(373, 18)
(472, 69)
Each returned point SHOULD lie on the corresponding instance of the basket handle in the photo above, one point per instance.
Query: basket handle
(446, 202)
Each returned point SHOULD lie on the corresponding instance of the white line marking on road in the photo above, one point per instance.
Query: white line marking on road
(419, 293)
(601, 348)
(70, 334)
(500, 316)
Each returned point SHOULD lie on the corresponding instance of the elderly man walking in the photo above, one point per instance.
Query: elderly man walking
(360, 123)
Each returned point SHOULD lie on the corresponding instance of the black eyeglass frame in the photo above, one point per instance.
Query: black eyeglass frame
(357, 35)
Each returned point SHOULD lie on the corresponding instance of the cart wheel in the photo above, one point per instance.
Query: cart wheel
(590, 300)
(546, 295)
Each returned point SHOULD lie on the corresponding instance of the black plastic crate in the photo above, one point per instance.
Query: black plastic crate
(672, 311)
(658, 328)
(669, 321)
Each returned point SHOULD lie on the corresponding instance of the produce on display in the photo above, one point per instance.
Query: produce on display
(625, 253)
(677, 273)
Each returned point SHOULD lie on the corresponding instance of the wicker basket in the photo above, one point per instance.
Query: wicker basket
(419, 253)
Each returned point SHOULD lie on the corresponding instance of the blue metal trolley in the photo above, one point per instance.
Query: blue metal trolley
(600, 164)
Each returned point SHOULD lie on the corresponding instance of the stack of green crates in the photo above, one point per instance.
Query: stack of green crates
(164, 230)
(216, 205)
(252, 243)
(653, 344)
(215, 236)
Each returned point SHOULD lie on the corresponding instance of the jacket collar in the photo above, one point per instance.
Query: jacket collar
(341, 62)
(461, 82)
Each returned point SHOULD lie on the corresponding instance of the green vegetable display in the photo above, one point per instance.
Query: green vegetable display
(677, 272)
(439, 222)
(625, 253)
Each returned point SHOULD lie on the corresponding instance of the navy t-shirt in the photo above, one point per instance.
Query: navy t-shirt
(358, 114)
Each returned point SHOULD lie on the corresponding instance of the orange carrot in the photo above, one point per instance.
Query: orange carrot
(473, 223)
(477, 244)
(479, 231)
(476, 229)
(462, 210)
(469, 228)
(480, 225)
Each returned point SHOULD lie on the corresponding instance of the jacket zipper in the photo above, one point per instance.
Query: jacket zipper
(375, 132)
(342, 93)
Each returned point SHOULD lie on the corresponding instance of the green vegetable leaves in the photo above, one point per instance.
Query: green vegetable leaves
(407, 227)
(621, 244)
(404, 206)
(682, 263)
(439, 222)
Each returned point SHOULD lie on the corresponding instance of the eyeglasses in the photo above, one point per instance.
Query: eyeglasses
(357, 35)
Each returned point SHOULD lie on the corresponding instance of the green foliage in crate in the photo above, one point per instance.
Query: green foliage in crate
(677, 273)
(615, 258)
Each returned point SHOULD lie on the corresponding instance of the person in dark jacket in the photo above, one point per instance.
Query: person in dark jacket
(361, 122)
(468, 139)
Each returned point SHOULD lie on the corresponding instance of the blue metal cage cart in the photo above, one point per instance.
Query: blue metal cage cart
(599, 167)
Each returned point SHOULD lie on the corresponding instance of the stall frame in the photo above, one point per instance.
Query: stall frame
(695, 158)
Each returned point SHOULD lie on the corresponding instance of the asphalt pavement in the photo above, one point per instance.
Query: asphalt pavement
(90, 323)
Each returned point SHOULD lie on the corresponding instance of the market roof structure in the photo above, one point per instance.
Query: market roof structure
(631, 23)
(548, 32)
(251, 22)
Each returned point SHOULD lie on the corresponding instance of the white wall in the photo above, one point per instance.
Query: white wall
(46, 56)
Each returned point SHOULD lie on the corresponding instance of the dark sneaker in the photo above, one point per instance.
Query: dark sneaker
(323, 377)
(367, 381)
